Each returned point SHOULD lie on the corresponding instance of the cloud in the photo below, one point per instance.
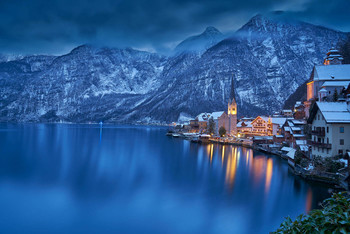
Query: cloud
(56, 26)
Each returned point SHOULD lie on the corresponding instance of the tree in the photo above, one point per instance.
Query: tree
(335, 96)
(211, 126)
(332, 218)
(222, 131)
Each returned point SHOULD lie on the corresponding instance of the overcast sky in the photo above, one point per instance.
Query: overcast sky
(57, 26)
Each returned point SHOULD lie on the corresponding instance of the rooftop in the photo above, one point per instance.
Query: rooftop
(334, 112)
(332, 72)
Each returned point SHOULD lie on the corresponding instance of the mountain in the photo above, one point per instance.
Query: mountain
(268, 57)
(201, 42)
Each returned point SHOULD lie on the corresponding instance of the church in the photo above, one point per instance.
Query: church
(228, 119)
(327, 79)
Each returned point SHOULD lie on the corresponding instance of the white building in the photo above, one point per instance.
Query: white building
(330, 128)
(327, 78)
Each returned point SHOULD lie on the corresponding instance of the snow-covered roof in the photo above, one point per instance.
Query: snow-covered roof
(323, 90)
(290, 123)
(334, 112)
(332, 72)
(291, 153)
(289, 111)
(279, 121)
(298, 121)
(247, 123)
(203, 116)
(286, 149)
(287, 129)
(336, 83)
(298, 135)
(279, 136)
(217, 114)
(296, 129)
(301, 142)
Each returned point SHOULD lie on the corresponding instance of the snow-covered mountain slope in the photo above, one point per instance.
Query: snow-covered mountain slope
(201, 42)
(268, 58)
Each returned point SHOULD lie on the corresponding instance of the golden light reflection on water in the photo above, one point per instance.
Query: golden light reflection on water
(231, 167)
(268, 174)
(258, 166)
(222, 155)
(308, 200)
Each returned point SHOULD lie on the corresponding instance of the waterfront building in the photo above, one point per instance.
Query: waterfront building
(330, 122)
(267, 126)
(326, 79)
(244, 127)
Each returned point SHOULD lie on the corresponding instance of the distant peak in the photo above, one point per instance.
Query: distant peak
(211, 30)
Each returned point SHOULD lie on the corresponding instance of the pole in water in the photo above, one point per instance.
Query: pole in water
(101, 131)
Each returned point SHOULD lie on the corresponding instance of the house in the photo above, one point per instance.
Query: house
(287, 113)
(293, 132)
(244, 127)
(267, 126)
(330, 122)
(299, 112)
(326, 79)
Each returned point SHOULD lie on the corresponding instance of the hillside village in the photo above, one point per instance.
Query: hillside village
(314, 136)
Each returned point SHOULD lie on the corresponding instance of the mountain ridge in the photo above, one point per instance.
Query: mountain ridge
(268, 60)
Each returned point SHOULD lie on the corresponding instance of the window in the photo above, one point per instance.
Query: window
(340, 151)
(341, 129)
(327, 129)
(341, 141)
(327, 140)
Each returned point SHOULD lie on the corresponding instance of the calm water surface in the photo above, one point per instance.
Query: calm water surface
(118, 179)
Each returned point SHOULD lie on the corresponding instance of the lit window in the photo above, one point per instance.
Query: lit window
(341, 129)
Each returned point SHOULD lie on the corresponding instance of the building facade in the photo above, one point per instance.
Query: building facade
(330, 122)
(326, 79)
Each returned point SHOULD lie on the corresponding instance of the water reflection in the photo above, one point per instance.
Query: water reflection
(138, 180)
(268, 174)
(231, 169)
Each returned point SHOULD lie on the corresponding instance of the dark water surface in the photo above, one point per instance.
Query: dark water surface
(80, 178)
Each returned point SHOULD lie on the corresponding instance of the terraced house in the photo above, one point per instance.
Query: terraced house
(330, 123)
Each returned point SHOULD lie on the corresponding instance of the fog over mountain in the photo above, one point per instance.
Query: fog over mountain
(269, 58)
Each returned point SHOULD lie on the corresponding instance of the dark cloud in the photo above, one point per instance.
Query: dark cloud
(56, 26)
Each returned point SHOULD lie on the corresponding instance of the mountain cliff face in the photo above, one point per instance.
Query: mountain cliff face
(269, 59)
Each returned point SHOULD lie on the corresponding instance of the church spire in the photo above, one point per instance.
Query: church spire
(232, 91)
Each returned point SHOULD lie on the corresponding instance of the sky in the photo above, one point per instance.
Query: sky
(58, 26)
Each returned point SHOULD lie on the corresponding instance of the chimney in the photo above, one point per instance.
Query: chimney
(348, 101)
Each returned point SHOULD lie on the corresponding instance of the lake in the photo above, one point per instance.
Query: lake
(67, 178)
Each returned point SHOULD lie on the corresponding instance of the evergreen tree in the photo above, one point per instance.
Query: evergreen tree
(222, 131)
(211, 126)
(335, 96)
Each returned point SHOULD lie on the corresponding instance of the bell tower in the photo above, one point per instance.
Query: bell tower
(232, 111)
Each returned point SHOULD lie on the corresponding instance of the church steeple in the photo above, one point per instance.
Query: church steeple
(232, 105)
(232, 111)
(232, 91)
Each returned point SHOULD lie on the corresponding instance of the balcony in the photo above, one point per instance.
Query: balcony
(320, 144)
(320, 133)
